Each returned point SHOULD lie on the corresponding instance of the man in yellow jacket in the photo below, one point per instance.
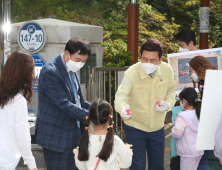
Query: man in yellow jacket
(148, 87)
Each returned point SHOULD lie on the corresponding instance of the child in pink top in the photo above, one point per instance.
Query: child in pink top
(186, 128)
(218, 142)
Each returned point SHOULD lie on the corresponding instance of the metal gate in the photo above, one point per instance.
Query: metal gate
(103, 84)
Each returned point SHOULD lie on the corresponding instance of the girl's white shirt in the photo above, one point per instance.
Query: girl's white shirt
(95, 146)
(15, 139)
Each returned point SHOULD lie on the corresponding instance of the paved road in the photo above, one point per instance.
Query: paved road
(166, 154)
(167, 146)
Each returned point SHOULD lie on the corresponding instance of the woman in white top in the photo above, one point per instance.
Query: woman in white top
(99, 148)
(16, 82)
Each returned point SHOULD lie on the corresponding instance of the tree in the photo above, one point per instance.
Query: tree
(160, 19)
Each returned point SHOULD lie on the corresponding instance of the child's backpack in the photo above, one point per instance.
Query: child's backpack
(175, 111)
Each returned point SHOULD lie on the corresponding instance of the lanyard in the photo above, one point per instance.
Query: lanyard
(70, 76)
(74, 81)
(77, 98)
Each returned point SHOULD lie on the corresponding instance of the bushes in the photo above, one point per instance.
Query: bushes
(116, 54)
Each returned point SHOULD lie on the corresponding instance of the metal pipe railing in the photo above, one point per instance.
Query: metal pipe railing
(103, 76)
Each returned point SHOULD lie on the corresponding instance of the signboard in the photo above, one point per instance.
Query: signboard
(7, 53)
(84, 72)
(211, 110)
(31, 37)
(180, 64)
(39, 63)
(184, 72)
(204, 19)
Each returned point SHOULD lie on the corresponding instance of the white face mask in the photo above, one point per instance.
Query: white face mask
(149, 68)
(194, 77)
(181, 105)
(74, 66)
(183, 50)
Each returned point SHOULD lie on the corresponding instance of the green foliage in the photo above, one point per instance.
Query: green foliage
(216, 23)
(186, 14)
(116, 54)
(115, 10)
(152, 24)
(155, 25)
(64, 14)
(183, 11)
(159, 19)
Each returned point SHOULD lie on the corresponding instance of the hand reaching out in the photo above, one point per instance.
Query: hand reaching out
(162, 106)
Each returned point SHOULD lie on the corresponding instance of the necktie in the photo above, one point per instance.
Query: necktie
(74, 86)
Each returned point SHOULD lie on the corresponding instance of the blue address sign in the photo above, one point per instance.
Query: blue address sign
(31, 37)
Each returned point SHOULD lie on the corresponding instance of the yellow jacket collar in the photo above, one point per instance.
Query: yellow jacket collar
(143, 74)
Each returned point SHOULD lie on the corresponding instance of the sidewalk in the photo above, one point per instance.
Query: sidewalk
(167, 147)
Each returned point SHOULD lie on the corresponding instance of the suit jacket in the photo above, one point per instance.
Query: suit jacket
(57, 112)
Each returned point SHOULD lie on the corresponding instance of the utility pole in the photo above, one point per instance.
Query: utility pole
(204, 23)
(133, 29)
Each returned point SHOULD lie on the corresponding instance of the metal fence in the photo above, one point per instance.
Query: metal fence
(103, 84)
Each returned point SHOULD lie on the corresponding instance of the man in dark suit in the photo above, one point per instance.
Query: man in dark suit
(62, 109)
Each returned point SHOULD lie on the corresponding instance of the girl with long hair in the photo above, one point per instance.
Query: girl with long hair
(186, 128)
(198, 66)
(99, 148)
(16, 83)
